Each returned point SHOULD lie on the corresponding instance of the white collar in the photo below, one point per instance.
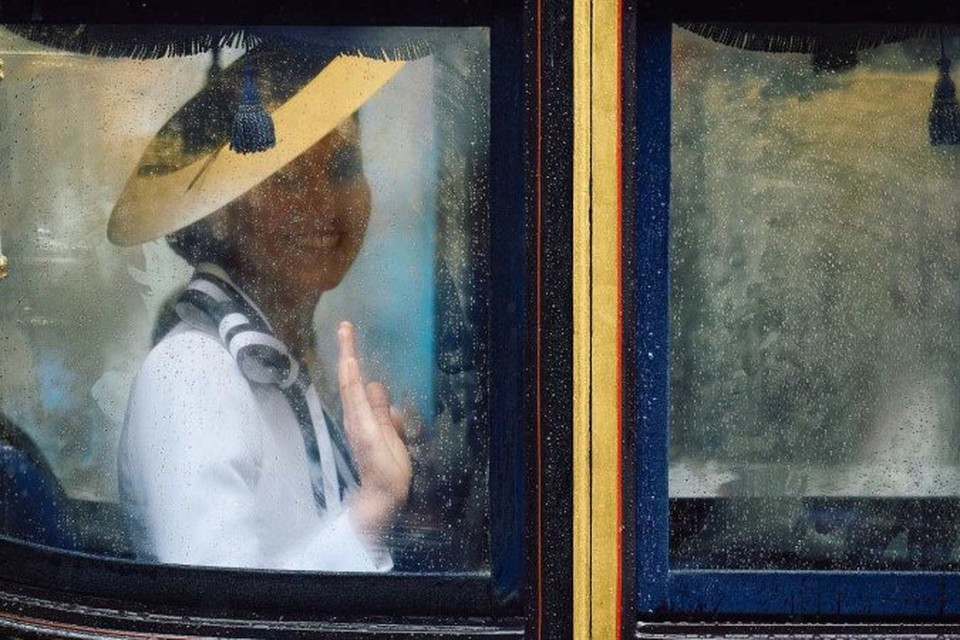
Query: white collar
(219, 272)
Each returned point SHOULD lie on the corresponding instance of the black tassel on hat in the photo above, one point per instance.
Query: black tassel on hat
(252, 125)
(945, 113)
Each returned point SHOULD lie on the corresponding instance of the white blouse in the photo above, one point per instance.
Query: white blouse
(213, 470)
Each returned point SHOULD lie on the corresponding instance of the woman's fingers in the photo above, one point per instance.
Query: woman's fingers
(379, 401)
(351, 382)
(375, 434)
(399, 424)
(343, 377)
(390, 422)
(355, 396)
(347, 340)
(358, 417)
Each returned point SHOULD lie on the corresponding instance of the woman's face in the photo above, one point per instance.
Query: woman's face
(301, 228)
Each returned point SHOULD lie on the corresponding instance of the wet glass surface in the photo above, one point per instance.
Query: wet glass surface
(815, 301)
(79, 315)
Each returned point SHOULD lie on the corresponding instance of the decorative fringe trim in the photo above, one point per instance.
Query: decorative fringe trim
(128, 41)
(370, 42)
(142, 42)
(811, 38)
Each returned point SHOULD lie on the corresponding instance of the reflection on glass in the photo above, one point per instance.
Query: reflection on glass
(200, 345)
(815, 293)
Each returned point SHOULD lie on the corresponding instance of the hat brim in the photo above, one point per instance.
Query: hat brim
(153, 205)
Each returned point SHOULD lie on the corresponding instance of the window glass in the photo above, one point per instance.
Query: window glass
(815, 300)
(140, 421)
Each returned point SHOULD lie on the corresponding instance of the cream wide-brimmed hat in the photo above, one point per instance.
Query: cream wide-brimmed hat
(191, 169)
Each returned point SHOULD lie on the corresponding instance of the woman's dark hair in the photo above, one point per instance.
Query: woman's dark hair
(196, 243)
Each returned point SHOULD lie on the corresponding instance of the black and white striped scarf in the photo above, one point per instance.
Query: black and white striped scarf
(213, 303)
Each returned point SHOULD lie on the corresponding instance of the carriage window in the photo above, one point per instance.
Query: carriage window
(814, 300)
(243, 300)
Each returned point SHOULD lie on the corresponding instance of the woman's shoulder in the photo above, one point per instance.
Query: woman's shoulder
(190, 361)
(190, 379)
(186, 349)
(190, 410)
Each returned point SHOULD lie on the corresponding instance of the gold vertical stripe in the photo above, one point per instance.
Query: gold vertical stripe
(581, 319)
(605, 321)
(596, 319)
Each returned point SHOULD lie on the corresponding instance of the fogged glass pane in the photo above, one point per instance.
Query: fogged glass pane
(173, 386)
(815, 293)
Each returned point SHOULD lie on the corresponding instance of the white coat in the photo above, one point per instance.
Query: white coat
(213, 470)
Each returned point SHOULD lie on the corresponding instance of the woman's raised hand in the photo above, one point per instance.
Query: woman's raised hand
(376, 434)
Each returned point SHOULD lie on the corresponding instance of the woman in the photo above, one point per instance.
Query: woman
(227, 457)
